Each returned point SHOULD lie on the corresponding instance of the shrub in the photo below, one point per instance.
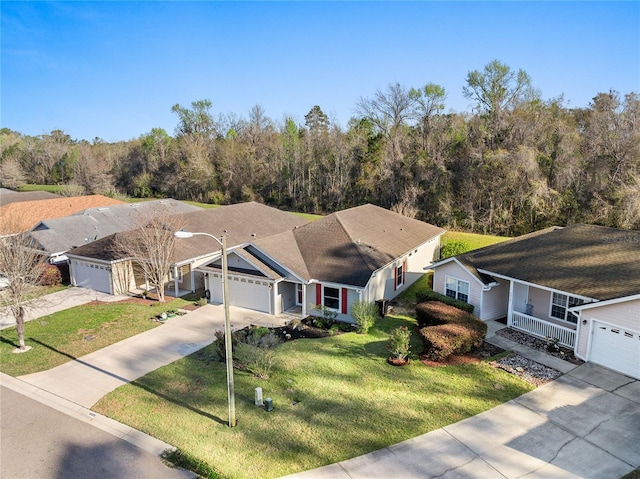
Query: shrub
(399, 342)
(453, 248)
(202, 302)
(423, 296)
(49, 276)
(328, 317)
(257, 353)
(454, 332)
(365, 315)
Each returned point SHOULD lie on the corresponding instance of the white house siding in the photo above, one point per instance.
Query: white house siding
(353, 296)
(495, 302)
(626, 315)
(454, 270)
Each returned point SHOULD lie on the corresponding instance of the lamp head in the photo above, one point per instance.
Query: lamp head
(183, 234)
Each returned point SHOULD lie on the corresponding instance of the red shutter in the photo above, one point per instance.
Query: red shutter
(318, 294)
(344, 300)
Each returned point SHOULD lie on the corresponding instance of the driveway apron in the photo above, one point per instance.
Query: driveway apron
(87, 379)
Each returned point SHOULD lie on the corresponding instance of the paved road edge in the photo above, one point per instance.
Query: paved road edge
(115, 428)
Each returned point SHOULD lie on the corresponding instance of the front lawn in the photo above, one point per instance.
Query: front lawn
(69, 334)
(335, 398)
(474, 240)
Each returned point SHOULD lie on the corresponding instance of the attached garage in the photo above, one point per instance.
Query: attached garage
(616, 348)
(91, 276)
(244, 291)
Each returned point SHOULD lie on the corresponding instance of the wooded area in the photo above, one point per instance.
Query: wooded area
(516, 164)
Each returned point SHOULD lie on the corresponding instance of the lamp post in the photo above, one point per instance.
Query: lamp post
(227, 321)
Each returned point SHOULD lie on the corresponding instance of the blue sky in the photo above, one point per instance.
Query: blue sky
(113, 70)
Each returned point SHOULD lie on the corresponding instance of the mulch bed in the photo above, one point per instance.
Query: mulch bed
(539, 344)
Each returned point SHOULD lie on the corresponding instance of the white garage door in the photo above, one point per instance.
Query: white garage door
(92, 276)
(244, 292)
(616, 348)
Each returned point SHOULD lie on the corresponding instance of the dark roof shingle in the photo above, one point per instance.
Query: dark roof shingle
(592, 261)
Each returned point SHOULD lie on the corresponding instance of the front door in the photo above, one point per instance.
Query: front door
(299, 295)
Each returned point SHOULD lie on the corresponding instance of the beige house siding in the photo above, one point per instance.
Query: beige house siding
(495, 302)
(454, 270)
(122, 277)
(624, 314)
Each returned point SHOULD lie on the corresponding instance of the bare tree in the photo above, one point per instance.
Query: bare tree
(21, 263)
(151, 248)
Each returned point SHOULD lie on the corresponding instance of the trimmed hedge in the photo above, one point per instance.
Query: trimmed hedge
(424, 296)
(452, 331)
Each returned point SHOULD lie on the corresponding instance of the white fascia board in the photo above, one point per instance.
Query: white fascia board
(337, 285)
(88, 259)
(607, 302)
(539, 286)
(455, 260)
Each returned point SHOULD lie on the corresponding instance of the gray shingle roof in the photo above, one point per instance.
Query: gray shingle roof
(347, 246)
(592, 261)
(62, 234)
(242, 223)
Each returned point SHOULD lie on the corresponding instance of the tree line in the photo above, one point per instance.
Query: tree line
(515, 164)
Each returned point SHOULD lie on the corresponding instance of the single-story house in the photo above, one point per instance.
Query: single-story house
(278, 261)
(58, 235)
(100, 265)
(579, 285)
(20, 216)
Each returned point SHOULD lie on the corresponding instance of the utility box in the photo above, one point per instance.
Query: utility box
(268, 404)
(258, 400)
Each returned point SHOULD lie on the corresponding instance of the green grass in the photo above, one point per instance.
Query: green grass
(335, 398)
(474, 240)
(50, 188)
(65, 335)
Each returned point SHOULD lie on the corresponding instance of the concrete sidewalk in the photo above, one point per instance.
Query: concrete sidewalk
(85, 380)
(585, 425)
(54, 302)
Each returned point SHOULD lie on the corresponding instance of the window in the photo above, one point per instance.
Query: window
(331, 298)
(457, 289)
(399, 276)
(560, 304)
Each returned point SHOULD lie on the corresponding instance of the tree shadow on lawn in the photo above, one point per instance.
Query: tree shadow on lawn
(135, 383)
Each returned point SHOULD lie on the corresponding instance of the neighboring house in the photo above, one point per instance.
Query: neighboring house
(579, 285)
(101, 266)
(59, 235)
(10, 196)
(20, 216)
(278, 261)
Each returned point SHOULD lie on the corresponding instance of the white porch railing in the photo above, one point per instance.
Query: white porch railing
(543, 329)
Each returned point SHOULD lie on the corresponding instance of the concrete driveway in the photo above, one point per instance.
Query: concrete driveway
(54, 302)
(586, 424)
(85, 380)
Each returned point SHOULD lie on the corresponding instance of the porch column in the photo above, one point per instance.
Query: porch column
(510, 305)
(175, 280)
(304, 300)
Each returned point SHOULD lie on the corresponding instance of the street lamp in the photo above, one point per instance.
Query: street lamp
(227, 321)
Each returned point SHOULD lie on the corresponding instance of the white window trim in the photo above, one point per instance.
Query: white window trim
(458, 281)
(339, 308)
(400, 272)
(566, 307)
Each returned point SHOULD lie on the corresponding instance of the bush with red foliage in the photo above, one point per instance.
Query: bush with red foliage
(50, 276)
(447, 330)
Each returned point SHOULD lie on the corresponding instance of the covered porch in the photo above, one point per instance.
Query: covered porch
(543, 313)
